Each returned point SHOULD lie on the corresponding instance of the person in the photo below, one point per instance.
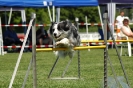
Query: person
(125, 29)
(42, 37)
(119, 23)
(108, 28)
(10, 37)
(127, 34)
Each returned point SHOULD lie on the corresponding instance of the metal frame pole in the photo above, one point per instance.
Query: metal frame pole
(33, 16)
(20, 55)
(27, 73)
(119, 57)
(105, 15)
(77, 20)
(53, 67)
(66, 67)
(79, 63)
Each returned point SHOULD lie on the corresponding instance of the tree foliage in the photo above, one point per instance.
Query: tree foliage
(80, 12)
(42, 14)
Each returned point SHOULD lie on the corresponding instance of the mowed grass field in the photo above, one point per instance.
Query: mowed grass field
(91, 67)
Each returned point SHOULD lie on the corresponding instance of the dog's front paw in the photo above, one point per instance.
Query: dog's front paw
(60, 44)
(57, 43)
(63, 43)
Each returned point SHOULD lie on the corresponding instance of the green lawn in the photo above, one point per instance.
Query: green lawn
(91, 69)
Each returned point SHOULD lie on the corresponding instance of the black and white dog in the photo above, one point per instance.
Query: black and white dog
(65, 35)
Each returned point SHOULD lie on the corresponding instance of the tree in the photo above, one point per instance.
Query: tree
(80, 12)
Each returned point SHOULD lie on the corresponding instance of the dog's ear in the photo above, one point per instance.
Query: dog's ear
(51, 28)
(52, 23)
(67, 25)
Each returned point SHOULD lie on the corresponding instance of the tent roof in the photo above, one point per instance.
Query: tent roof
(43, 3)
(76, 3)
(116, 1)
(22, 3)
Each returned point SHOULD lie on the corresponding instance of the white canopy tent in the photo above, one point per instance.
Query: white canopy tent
(11, 9)
(23, 16)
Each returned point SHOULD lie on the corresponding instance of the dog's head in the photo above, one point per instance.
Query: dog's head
(60, 30)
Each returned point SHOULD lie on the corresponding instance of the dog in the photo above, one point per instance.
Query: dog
(64, 35)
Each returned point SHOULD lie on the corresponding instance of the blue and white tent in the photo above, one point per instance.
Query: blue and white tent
(47, 3)
(75, 3)
(115, 1)
(40, 3)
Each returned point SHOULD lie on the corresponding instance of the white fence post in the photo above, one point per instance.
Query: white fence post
(1, 40)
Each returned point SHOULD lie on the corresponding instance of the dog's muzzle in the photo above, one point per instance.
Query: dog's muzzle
(55, 35)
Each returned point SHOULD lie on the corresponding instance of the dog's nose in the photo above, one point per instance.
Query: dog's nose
(55, 34)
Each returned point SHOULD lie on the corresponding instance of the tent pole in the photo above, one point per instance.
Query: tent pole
(100, 18)
(5, 19)
(86, 24)
(57, 14)
(23, 20)
(9, 20)
(46, 4)
(1, 40)
(49, 13)
(53, 13)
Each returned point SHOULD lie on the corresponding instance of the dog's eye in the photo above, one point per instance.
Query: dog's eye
(53, 29)
(59, 27)
(66, 28)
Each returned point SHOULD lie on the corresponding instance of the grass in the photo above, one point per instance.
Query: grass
(91, 69)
